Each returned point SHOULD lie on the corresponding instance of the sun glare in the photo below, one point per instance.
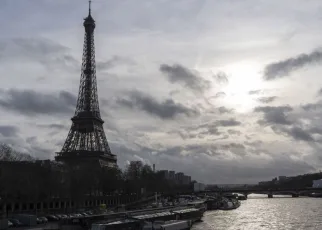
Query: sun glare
(243, 77)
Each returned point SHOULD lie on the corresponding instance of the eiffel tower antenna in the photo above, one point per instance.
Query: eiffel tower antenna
(86, 141)
(89, 7)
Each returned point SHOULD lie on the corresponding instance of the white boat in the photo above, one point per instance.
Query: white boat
(135, 225)
(229, 204)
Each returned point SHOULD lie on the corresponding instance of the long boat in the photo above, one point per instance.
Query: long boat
(191, 214)
(132, 224)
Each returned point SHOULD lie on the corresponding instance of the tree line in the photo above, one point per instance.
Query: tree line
(43, 180)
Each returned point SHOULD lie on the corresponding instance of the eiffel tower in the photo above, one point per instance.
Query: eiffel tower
(86, 142)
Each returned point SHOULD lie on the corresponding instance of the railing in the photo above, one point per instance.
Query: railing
(262, 189)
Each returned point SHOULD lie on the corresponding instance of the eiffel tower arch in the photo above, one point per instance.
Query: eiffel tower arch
(86, 143)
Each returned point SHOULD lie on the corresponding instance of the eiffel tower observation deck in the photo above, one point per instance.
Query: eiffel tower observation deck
(86, 142)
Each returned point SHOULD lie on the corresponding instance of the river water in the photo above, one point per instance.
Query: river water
(258, 213)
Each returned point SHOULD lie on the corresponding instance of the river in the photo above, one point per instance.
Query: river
(259, 213)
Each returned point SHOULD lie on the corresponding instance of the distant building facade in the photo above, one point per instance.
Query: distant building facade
(179, 177)
(317, 183)
(186, 180)
(199, 187)
(172, 175)
(264, 183)
(233, 185)
(165, 174)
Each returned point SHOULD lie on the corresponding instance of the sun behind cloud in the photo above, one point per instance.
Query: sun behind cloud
(244, 77)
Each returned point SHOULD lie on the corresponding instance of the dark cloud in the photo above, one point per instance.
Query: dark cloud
(186, 135)
(299, 134)
(295, 132)
(44, 51)
(30, 102)
(255, 143)
(182, 75)
(274, 114)
(234, 132)
(221, 78)
(223, 110)
(167, 109)
(286, 67)
(319, 92)
(267, 100)
(8, 130)
(236, 148)
(209, 129)
(315, 130)
(282, 123)
(190, 149)
(233, 145)
(312, 106)
(53, 126)
(228, 123)
(56, 126)
(213, 131)
(212, 127)
(40, 46)
(198, 131)
(183, 135)
(114, 61)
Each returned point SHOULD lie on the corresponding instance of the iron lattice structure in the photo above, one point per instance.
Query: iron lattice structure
(86, 139)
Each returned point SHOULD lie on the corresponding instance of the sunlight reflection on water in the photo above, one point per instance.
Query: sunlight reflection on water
(262, 213)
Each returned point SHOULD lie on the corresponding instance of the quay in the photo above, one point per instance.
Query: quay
(53, 206)
(191, 210)
(190, 214)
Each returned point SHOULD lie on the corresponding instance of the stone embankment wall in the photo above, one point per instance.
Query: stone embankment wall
(60, 206)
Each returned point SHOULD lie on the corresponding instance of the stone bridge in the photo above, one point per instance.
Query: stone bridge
(294, 192)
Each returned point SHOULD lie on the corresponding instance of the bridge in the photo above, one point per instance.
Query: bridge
(294, 192)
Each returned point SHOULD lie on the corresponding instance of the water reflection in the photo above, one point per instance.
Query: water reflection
(259, 212)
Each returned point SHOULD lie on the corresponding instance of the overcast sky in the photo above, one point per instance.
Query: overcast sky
(227, 91)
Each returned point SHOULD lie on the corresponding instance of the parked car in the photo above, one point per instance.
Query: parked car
(43, 220)
(15, 222)
(52, 218)
(61, 217)
(71, 216)
(10, 224)
(39, 220)
(90, 213)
